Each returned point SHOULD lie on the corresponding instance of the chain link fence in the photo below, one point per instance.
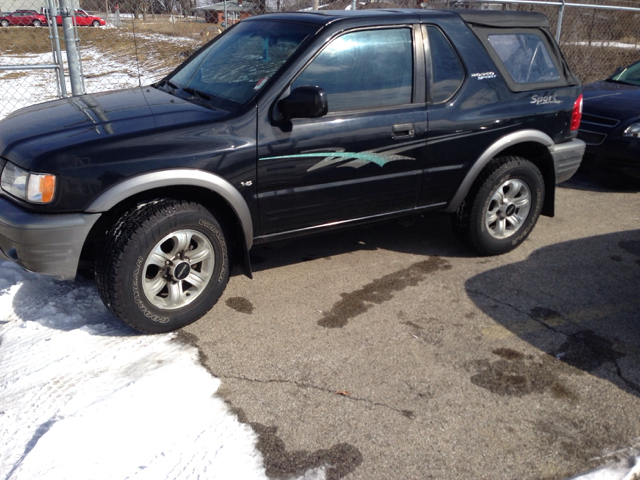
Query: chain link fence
(124, 43)
(29, 70)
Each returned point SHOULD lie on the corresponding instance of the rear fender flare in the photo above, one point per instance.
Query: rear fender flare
(489, 154)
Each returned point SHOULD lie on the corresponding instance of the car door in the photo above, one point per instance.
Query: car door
(362, 159)
(450, 123)
(81, 19)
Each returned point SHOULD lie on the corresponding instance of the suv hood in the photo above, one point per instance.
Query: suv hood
(103, 117)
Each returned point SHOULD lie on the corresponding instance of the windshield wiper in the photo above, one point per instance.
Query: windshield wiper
(200, 94)
(167, 83)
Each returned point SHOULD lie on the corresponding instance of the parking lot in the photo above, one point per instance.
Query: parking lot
(391, 351)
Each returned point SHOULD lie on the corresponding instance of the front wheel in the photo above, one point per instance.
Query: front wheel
(37, 23)
(165, 264)
(95, 23)
(502, 206)
(4, 23)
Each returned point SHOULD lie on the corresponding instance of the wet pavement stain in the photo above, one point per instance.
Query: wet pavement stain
(587, 351)
(516, 374)
(339, 460)
(508, 354)
(240, 304)
(379, 291)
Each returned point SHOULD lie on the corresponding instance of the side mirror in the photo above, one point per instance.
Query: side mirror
(305, 102)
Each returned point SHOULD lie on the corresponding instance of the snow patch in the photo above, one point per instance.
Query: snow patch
(83, 396)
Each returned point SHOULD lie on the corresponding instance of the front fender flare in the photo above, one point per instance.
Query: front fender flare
(180, 177)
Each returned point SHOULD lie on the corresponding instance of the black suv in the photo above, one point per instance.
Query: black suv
(285, 125)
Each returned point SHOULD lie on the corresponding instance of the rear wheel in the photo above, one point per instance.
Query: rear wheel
(502, 206)
(165, 265)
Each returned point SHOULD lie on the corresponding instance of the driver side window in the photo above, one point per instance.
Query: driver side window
(364, 69)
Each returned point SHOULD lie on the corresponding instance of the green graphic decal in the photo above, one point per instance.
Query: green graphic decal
(357, 159)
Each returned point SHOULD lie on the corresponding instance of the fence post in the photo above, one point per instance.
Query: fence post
(226, 19)
(53, 12)
(73, 57)
(559, 26)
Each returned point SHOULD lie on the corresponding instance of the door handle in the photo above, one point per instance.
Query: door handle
(403, 130)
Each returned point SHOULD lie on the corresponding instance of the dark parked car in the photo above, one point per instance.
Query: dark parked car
(611, 122)
(288, 125)
(23, 17)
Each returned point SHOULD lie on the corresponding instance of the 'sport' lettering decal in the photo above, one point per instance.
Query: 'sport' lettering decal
(544, 100)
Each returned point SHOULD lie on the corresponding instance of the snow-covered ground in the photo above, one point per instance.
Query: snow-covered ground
(607, 44)
(82, 396)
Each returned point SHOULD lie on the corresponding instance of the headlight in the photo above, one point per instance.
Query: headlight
(32, 187)
(632, 131)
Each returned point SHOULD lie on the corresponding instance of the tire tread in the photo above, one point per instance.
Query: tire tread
(462, 219)
(126, 230)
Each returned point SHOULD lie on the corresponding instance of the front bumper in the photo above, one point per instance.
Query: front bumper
(49, 244)
(566, 158)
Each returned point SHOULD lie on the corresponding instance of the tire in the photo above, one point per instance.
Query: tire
(95, 23)
(502, 206)
(36, 23)
(147, 274)
(4, 23)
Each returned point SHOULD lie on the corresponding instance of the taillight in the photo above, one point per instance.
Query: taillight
(576, 114)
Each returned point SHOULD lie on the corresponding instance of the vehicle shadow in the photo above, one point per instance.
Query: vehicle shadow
(592, 179)
(429, 235)
(578, 301)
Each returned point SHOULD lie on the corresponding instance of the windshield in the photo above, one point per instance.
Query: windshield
(630, 75)
(234, 69)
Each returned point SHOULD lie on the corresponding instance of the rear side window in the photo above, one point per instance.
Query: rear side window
(445, 69)
(525, 57)
(364, 69)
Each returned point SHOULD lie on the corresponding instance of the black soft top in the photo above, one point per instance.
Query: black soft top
(488, 18)
(479, 18)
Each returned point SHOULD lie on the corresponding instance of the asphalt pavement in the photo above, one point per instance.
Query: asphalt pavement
(393, 352)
